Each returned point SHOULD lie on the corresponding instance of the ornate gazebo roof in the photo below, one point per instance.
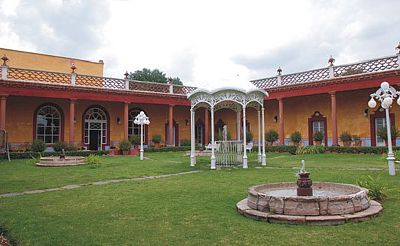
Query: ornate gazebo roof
(245, 98)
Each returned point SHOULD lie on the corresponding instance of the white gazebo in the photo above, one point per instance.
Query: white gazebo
(237, 100)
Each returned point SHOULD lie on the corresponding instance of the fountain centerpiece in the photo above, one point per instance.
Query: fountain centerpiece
(305, 202)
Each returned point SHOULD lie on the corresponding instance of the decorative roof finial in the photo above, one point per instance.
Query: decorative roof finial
(398, 48)
(126, 74)
(5, 59)
(73, 67)
(279, 71)
(331, 61)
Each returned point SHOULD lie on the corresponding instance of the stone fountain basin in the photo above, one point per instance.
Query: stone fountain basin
(328, 199)
(58, 162)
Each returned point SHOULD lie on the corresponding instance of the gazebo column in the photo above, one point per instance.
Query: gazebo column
(126, 120)
(213, 166)
(334, 119)
(170, 124)
(3, 108)
(206, 126)
(259, 136)
(72, 121)
(244, 138)
(263, 157)
(281, 123)
(192, 138)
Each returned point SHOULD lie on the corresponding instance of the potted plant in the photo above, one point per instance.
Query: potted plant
(346, 138)
(156, 140)
(113, 151)
(318, 137)
(383, 133)
(357, 140)
(135, 140)
(296, 138)
(271, 136)
(125, 146)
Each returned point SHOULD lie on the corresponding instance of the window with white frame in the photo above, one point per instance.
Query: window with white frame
(48, 124)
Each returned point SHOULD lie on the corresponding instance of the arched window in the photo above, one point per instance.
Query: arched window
(95, 128)
(48, 124)
(134, 129)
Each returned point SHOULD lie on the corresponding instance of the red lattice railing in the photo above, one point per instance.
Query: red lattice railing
(29, 75)
(40, 76)
(370, 66)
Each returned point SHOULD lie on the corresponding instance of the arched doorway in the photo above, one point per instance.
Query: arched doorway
(175, 133)
(199, 132)
(317, 123)
(377, 122)
(96, 128)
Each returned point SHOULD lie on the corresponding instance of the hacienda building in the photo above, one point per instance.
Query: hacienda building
(59, 99)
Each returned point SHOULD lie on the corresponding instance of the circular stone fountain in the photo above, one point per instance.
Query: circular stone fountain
(60, 161)
(327, 204)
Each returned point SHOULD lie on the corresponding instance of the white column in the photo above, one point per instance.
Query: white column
(141, 142)
(263, 157)
(4, 71)
(390, 154)
(244, 138)
(192, 135)
(213, 166)
(238, 124)
(259, 136)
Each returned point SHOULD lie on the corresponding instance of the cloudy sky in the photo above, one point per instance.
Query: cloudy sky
(205, 43)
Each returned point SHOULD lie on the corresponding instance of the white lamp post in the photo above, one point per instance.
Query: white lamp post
(141, 119)
(386, 94)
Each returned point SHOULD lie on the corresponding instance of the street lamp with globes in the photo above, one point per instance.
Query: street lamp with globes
(141, 119)
(386, 94)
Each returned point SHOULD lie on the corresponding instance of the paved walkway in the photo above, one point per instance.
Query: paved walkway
(103, 182)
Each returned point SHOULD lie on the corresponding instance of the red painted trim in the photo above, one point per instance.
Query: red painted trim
(62, 123)
(176, 132)
(312, 119)
(94, 94)
(108, 125)
(379, 114)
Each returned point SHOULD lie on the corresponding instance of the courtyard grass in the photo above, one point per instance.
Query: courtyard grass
(194, 209)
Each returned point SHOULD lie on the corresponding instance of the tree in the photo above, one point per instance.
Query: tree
(154, 75)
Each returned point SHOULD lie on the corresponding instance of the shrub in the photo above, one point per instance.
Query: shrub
(281, 148)
(311, 149)
(156, 139)
(377, 190)
(59, 146)
(220, 136)
(397, 154)
(38, 146)
(249, 136)
(271, 136)
(356, 138)
(295, 137)
(318, 136)
(383, 133)
(93, 161)
(345, 137)
(134, 139)
(125, 145)
(185, 142)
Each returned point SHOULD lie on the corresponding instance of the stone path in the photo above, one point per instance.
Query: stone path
(102, 182)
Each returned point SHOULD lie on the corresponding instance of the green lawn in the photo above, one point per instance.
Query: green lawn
(194, 209)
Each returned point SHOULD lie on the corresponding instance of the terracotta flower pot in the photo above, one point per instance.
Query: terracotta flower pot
(347, 143)
(125, 152)
(113, 152)
(318, 143)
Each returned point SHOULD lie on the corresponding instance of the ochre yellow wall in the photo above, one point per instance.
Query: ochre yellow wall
(29, 60)
(350, 114)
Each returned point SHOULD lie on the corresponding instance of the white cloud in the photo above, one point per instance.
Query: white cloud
(206, 43)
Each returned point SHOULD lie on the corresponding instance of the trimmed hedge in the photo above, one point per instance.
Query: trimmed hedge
(168, 149)
(334, 149)
(29, 154)
(282, 148)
